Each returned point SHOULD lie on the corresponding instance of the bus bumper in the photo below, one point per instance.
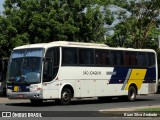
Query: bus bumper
(24, 95)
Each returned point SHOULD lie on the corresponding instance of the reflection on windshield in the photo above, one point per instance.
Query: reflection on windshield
(25, 66)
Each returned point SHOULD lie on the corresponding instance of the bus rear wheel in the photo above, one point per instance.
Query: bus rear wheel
(132, 94)
(65, 97)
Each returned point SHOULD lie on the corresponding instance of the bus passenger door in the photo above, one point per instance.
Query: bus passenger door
(50, 70)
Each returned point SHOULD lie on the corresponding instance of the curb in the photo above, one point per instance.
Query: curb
(129, 109)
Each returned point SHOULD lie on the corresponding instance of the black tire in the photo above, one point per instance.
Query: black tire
(36, 101)
(65, 97)
(132, 94)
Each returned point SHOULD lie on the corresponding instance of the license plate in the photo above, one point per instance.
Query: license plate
(20, 96)
(16, 88)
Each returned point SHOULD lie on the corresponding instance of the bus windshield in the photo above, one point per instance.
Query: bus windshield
(25, 66)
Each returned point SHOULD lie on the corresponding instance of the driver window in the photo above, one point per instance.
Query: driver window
(51, 64)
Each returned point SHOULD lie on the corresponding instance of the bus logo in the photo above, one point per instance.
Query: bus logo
(6, 114)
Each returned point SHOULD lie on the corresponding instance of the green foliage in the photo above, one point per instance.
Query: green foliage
(148, 110)
(35, 21)
(139, 29)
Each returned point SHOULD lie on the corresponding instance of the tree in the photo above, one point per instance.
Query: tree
(35, 21)
(138, 23)
(5, 32)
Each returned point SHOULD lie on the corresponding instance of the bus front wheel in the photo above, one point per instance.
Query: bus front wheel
(132, 93)
(65, 97)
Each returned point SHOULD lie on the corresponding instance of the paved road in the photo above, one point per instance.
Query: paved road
(79, 107)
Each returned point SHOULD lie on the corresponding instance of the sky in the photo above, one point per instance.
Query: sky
(1, 5)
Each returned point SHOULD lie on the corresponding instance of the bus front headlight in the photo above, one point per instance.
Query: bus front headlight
(35, 88)
(9, 91)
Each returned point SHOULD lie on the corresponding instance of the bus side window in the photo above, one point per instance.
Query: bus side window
(86, 56)
(130, 58)
(69, 56)
(126, 58)
(150, 59)
(51, 64)
(133, 58)
(141, 60)
(102, 57)
(116, 58)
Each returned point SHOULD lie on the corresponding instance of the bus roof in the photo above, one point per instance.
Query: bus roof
(78, 44)
(60, 43)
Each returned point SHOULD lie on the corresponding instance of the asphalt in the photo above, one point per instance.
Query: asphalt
(6, 100)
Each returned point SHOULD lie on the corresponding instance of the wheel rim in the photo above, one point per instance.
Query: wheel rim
(65, 96)
(132, 94)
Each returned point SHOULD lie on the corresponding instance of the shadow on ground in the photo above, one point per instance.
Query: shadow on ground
(74, 102)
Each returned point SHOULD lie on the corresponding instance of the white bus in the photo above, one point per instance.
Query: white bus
(65, 70)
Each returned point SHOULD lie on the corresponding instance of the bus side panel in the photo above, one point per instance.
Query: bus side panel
(51, 90)
(89, 81)
(88, 88)
(143, 78)
(111, 90)
(107, 81)
(102, 87)
(144, 89)
(136, 77)
(149, 84)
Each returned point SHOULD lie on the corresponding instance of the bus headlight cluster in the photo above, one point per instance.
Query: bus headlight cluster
(9, 90)
(35, 88)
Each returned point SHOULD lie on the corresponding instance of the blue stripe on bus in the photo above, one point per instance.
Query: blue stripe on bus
(120, 76)
(121, 73)
(150, 76)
